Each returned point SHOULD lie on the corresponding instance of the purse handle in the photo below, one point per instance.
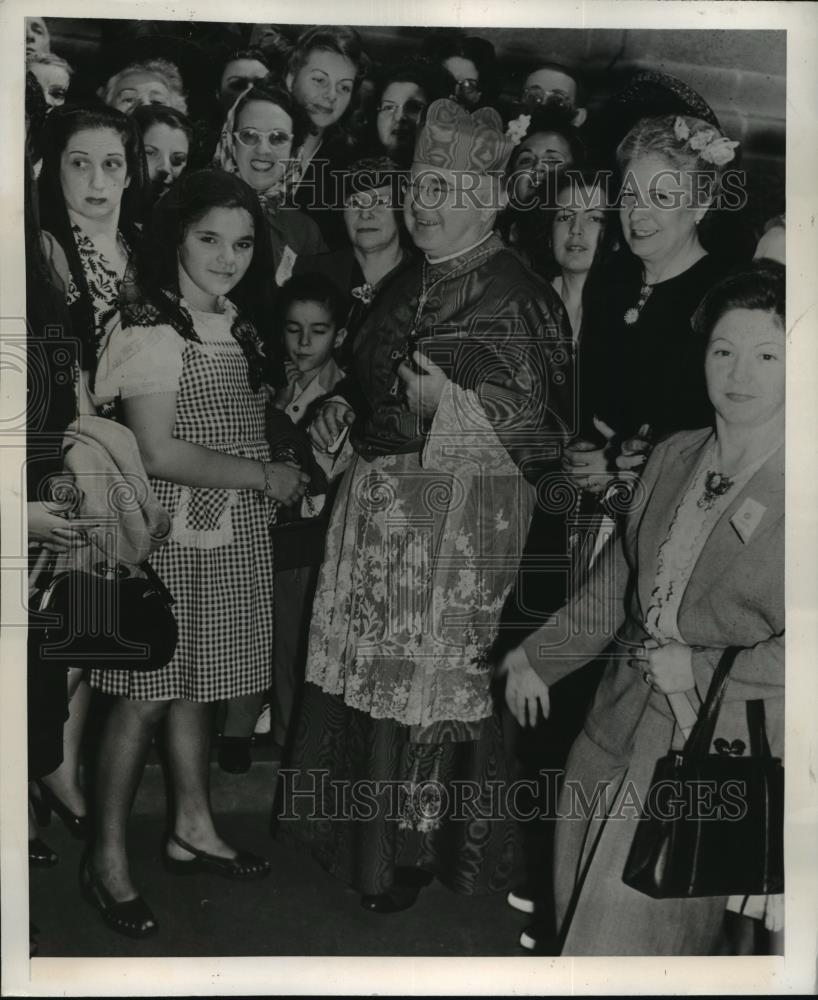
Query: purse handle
(701, 736)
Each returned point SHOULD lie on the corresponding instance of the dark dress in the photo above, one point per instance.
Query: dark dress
(650, 371)
(320, 190)
(51, 405)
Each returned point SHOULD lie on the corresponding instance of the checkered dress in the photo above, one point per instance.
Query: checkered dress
(218, 564)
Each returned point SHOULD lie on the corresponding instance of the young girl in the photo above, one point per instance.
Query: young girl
(187, 369)
(310, 311)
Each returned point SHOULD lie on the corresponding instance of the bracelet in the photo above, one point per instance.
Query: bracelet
(266, 468)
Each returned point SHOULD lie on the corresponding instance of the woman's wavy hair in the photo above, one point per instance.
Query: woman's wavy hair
(162, 69)
(761, 286)
(658, 137)
(188, 200)
(536, 225)
(344, 41)
(60, 126)
(148, 115)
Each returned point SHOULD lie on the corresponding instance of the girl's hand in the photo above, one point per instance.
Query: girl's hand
(287, 483)
(53, 532)
(524, 689)
(667, 668)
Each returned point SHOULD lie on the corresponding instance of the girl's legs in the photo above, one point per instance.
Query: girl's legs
(65, 781)
(188, 742)
(123, 750)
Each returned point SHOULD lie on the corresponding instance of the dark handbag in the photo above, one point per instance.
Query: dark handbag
(713, 824)
(105, 617)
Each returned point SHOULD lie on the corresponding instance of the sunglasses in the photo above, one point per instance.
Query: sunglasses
(251, 137)
(368, 199)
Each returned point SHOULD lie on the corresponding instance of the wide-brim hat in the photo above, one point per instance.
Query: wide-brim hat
(650, 94)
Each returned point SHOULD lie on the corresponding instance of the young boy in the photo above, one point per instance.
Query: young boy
(311, 311)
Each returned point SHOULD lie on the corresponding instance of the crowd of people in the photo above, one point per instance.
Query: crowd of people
(440, 397)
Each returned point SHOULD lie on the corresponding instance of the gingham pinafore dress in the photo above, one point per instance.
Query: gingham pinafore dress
(218, 564)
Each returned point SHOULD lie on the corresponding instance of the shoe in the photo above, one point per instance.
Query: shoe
(245, 867)
(403, 894)
(47, 802)
(396, 899)
(528, 939)
(40, 854)
(234, 754)
(133, 917)
(263, 722)
(520, 900)
(538, 938)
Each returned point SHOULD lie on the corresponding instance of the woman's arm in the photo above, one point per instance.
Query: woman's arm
(152, 419)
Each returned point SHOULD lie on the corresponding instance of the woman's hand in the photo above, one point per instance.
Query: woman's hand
(589, 466)
(424, 390)
(667, 668)
(53, 532)
(331, 419)
(287, 483)
(524, 689)
(635, 451)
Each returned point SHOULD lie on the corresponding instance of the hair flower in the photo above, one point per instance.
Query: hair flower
(517, 128)
(702, 138)
(719, 152)
(681, 129)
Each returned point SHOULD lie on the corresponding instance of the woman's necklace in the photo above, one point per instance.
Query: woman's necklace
(632, 314)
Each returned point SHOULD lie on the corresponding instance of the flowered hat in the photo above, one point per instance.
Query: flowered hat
(455, 139)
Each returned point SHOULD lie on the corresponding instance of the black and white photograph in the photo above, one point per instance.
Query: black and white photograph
(395, 560)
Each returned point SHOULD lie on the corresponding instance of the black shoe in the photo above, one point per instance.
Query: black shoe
(245, 867)
(40, 854)
(47, 802)
(234, 754)
(403, 894)
(133, 917)
(396, 899)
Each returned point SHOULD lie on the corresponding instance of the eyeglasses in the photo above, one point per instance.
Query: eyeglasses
(369, 199)
(536, 95)
(413, 108)
(251, 137)
(467, 86)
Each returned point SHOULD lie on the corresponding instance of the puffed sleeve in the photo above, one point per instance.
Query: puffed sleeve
(139, 361)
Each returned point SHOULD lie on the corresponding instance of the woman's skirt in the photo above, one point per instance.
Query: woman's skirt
(599, 914)
(364, 799)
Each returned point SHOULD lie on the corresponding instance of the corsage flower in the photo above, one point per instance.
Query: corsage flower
(702, 138)
(681, 129)
(719, 152)
(517, 128)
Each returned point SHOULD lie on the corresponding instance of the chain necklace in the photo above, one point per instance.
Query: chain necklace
(632, 314)
(425, 292)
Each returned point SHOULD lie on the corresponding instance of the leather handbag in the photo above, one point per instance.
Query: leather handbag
(712, 824)
(105, 617)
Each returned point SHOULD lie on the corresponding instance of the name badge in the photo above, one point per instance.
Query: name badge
(285, 268)
(746, 519)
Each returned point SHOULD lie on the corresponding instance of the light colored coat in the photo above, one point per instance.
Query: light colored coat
(735, 596)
